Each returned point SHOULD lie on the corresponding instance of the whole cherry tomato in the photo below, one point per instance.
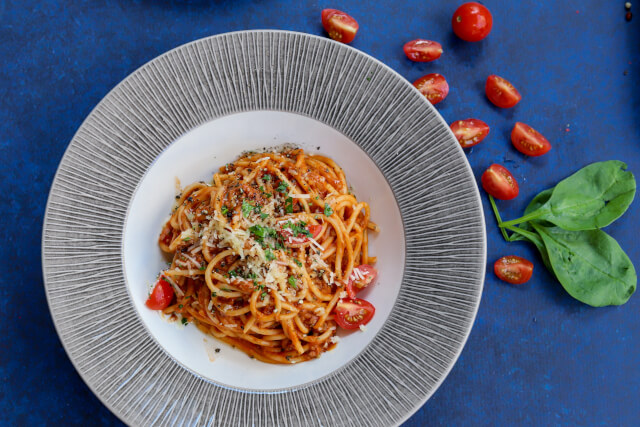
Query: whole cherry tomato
(434, 86)
(340, 26)
(470, 132)
(499, 182)
(472, 22)
(513, 269)
(529, 141)
(422, 50)
(501, 92)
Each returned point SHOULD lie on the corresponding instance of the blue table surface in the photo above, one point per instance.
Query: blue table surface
(534, 357)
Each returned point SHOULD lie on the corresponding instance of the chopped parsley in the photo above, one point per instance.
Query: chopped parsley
(298, 229)
(269, 255)
(297, 261)
(225, 210)
(263, 296)
(327, 210)
(282, 188)
(292, 282)
(185, 321)
(186, 239)
(266, 177)
(261, 232)
(246, 208)
(264, 215)
(288, 205)
(264, 192)
(203, 267)
(180, 306)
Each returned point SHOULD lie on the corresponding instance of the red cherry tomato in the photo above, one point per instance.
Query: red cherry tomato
(350, 313)
(422, 50)
(529, 141)
(513, 269)
(361, 277)
(161, 295)
(472, 22)
(501, 92)
(470, 132)
(340, 26)
(434, 86)
(300, 239)
(499, 182)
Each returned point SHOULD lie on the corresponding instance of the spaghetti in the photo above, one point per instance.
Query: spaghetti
(269, 256)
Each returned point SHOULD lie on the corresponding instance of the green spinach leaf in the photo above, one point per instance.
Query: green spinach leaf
(590, 199)
(590, 265)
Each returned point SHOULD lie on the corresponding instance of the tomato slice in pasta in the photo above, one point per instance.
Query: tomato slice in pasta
(351, 313)
(361, 277)
(161, 295)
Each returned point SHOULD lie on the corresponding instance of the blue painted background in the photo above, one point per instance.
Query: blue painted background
(534, 357)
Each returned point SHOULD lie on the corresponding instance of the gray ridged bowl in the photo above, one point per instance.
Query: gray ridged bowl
(264, 70)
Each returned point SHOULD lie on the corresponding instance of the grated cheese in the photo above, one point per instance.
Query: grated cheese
(175, 286)
(315, 242)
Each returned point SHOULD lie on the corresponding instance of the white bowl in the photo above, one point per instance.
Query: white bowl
(196, 156)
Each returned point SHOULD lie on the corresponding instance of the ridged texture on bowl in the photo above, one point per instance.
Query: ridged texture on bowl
(264, 70)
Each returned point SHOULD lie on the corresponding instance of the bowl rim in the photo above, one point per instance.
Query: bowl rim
(129, 77)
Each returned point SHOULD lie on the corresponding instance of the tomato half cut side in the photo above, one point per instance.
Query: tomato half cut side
(420, 50)
(470, 132)
(434, 86)
(500, 183)
(472, 22)
(301, 236)
(501, 92)
(339, 25)
(351, 313)
(513, 269)
(161, 295)
(529, 141)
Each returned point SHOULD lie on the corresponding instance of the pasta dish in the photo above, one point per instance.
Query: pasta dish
(269, 256)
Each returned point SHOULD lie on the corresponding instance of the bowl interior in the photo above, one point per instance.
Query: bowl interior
(195, 157)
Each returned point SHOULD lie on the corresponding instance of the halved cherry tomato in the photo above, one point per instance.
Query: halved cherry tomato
(161, 295)
(501, 92)
(529, 141)
(434, 86)
(361, 277)
(350, 313)
(513, 269)
(420, 50)
(314, 229)
(499, 182)
(470, 132)
(340, 26)
(472, 22)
